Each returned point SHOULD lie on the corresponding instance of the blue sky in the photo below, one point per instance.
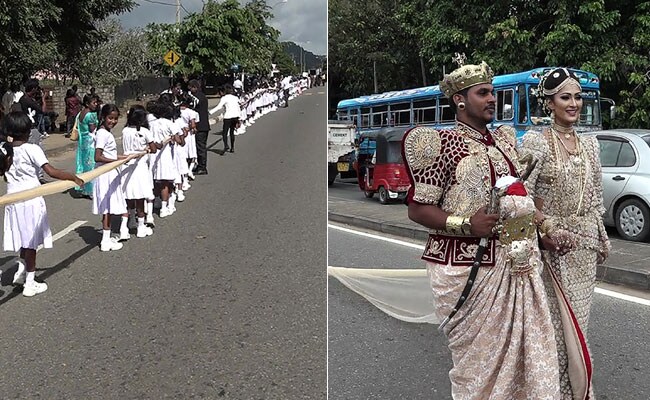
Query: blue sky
(301, 21)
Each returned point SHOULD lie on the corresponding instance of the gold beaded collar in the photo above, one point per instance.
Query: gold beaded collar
(567, 131)
(469, 132)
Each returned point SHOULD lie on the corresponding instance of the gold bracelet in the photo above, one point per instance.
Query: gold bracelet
(545, 226)
(454, 224)
(466, 226)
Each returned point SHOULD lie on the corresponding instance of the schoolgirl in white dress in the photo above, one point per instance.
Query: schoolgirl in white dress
(26, 224)
(137, 181)
(191, 117)
(164, 167)
(108, 196)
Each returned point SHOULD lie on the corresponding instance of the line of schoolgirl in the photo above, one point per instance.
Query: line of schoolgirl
(160, 141)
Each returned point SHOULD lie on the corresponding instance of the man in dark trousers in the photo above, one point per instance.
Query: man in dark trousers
(33, 108)
(202, 128)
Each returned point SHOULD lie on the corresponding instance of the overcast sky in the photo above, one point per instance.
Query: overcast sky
(303, 22)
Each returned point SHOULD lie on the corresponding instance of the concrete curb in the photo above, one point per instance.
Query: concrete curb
(613, 274)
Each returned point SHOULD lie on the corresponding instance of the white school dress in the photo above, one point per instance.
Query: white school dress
(137, 182)
(180, 152)
(164, 167)
(26, 224)
(108, 196)
(190, 141)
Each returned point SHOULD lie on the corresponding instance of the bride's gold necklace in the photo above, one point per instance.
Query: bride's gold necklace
(567, 131)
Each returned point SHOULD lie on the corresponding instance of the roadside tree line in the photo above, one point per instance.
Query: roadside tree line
(83, 40)
(411, 42)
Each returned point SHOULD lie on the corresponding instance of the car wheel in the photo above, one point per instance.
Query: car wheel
(633, 220)
(368, 194)
(383, 195)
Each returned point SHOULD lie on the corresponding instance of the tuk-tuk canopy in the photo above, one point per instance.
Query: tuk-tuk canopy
(391, 134)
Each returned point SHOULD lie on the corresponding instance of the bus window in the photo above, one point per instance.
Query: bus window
(365, 117)
(590, 113)
(424, 111)
(379, 118)
(523, 107)
(505, 101)
(401, 113)
(446, 115)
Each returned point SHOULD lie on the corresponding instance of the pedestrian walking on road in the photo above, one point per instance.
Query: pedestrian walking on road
(202, 128)
(230, 117)
(108, 196)
(85, 156)
(26, 224)
(493, 302)
(567, 187)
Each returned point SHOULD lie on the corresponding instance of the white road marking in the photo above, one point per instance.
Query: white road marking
(622, 296)
(64, 232)
(598, 290)
(370, 235)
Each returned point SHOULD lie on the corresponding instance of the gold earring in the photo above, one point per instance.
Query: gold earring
(461, 105)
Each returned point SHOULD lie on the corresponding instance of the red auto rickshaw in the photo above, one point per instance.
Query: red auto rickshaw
(379, 165)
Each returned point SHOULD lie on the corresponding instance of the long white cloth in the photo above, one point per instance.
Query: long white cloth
(404, 294)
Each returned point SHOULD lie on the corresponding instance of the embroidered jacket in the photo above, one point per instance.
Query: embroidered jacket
(455, 170)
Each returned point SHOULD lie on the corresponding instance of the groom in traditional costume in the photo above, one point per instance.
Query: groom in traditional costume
(499, 327)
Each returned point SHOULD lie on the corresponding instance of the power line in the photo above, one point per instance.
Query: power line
(168, 4)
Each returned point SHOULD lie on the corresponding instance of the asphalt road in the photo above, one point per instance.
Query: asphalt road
(374, 356)
(226, 300)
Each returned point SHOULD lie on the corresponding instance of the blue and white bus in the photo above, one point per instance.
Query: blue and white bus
(516, 98)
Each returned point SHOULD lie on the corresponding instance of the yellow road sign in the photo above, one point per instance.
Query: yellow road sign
(171, 58)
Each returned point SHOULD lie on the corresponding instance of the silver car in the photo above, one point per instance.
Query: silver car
(625, 160)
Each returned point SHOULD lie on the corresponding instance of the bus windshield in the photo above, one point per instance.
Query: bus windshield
(589, 115)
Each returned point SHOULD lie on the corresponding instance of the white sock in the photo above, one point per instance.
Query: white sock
(148, 207)
(106, 235)
(140, 222)
(164, 205)
(124, 226)
(172, 200)
(21, 266)
(30, 278)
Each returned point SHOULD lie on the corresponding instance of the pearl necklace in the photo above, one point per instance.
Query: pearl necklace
(567, 131)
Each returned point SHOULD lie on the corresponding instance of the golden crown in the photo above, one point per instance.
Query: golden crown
(466, 76)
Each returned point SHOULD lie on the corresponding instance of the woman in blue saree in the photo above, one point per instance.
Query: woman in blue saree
(87, 124)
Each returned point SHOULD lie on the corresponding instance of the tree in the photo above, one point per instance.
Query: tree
(123, 56)
(50, 34)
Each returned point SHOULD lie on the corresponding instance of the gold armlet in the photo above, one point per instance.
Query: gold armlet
(456, 225)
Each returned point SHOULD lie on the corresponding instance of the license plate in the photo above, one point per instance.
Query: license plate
(342, 167)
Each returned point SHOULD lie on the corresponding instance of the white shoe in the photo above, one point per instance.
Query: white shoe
(149, 220)
(34, 288)
(165, 212)
(172, 209)
(144, 231)
(180, 196)
(186, 186)
(191, 175)
(111, 244)
(124, 235)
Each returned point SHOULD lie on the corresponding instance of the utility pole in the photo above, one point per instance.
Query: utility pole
(178, 11)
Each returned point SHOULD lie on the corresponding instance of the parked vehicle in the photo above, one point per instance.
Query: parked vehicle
(340, 150)
(517, 104)
(625, 160)
(379, 165)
